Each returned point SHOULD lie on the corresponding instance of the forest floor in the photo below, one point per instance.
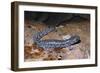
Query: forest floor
(78, 51)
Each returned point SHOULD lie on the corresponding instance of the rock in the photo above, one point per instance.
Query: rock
(79, 51)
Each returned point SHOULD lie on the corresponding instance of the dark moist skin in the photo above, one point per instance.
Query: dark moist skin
(53, 43)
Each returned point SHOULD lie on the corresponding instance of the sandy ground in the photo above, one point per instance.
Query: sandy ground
(77, 51)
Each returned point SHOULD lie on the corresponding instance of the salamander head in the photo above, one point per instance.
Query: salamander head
(74, 39)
